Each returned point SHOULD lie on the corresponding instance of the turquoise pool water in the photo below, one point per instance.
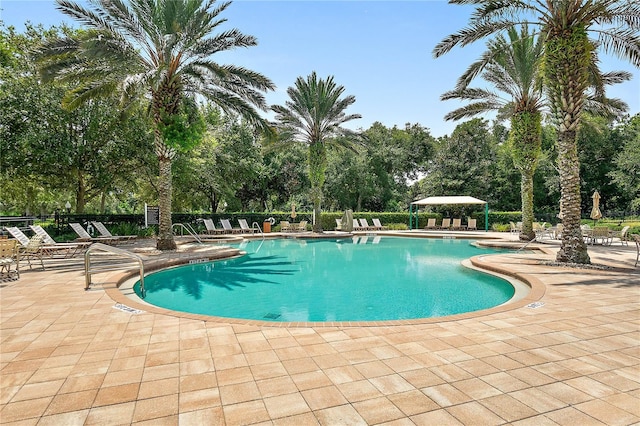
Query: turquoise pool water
(364, 279)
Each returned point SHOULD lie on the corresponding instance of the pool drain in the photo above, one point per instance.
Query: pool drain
(272, 316)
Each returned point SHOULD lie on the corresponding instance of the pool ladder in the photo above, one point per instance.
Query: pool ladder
(88, 270)
(257, 225)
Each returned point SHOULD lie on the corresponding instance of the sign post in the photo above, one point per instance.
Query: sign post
(151, 215)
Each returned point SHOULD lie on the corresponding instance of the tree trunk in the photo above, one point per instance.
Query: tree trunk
(567, 59)
(317, 168)
(165, 235)
(573, 249)
(81, 192)
(526, 192)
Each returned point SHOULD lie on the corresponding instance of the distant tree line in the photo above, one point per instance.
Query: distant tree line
(103, 162)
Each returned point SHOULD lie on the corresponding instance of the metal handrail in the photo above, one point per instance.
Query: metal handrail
(189, 230)
(114, 250)
(257, 225)
(522, 248)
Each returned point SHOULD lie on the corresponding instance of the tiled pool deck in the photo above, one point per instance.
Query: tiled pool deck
(68, 357)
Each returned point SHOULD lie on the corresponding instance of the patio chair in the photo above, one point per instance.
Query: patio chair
(602, 234)
(9, 258)
(33, 250)
(471, 224)
(357, 226)
(446, 223)
(244, 227)
(513, 228)
(104, 232)
(211, 227)
(364, 224)
(226, 225)
(84, 236)
(431, 223)
(378, 224)
(71, 248)
(285, 226)
(622, 234)
(457, 225)
(302, 226)
(338, 225)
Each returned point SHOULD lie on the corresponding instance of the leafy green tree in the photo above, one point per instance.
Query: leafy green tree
(314, 114)
(626, 175)
(463, 163)
(159, 52)
(86, 152)
(568, 57)
(513, 68)
(598, 146)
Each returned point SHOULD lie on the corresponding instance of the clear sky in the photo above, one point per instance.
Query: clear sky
(380, 51)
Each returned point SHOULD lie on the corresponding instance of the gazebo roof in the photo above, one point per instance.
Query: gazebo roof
(462, 199)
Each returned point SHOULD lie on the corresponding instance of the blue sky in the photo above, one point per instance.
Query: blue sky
(380, 51)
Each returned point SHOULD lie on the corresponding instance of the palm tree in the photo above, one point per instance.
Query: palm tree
(314, 114)
(513, 69)
(159, 52)
(565, 24)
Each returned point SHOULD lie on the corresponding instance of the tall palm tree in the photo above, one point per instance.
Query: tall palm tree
(565, 24)
(314, 114)
(157, 51)
(513, 68)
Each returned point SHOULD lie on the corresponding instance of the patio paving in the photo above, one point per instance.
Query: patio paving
(68, 357)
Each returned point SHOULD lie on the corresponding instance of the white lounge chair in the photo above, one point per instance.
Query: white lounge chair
(378, 224)
(211, 227)
(83, 235)
(431, 223)
(104, 232)
(338, 225)
(457, 224)
(244, 227)
(364, 224)
(471, 224)
(49, 250)
(446, 223)
(226, 225)
(71, 248)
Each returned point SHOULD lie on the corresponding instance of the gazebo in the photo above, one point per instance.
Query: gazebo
(450, 200)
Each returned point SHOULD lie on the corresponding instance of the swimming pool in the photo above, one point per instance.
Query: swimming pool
(360, 279)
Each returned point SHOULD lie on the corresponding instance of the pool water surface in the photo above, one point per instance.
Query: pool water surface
(361, 279)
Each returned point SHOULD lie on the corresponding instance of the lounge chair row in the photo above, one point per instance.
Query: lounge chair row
(363, 225)
(227, 228)
(455, 225)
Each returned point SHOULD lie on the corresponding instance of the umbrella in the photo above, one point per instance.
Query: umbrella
(595, 211)
(293, 211)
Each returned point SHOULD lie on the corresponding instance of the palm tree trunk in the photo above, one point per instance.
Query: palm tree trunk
(526, 193)
(165, 155)
(317, 168)
(526, 142)
(165, 235)
(567, 59)
(573, 249)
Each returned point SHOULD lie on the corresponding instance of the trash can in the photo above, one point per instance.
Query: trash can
(266, 226)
